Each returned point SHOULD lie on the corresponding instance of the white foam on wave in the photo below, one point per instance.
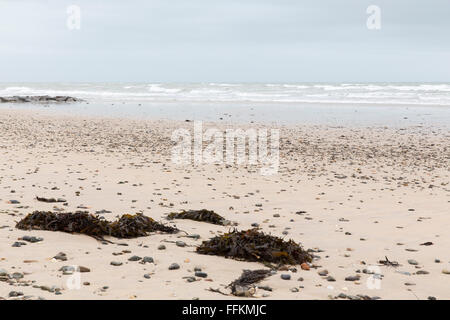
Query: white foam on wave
(357, 93)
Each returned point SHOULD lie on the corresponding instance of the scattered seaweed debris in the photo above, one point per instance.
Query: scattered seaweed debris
(244, 285)
(388, 263)
(200, 215)
(50, 200)
(127, 226)
(252, 245)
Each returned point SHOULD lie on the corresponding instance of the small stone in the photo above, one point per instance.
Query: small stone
(323, 273)
(409, 284)
(180, 244)
(330, 279)
(31, 239)
(134, 258)
(305, 266)
(286, 276)
(147, 260)
(17, 275)
(445, 271)
(413, 262)
(161, 247)
(116, 263)
(422, 272)
(266, 288)
(352, 278)
(201, 274)
(18, 244)
(147, 276)
(83, 269)
(61, 256)
(294, 289)
(190, 279)
(3, 272)
(244, 291)
(174, 266)
(15, 294)
(67, 270)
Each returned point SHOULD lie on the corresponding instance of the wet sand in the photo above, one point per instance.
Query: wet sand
(354, 195)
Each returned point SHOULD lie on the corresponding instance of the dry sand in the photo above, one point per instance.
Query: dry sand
(366, 194)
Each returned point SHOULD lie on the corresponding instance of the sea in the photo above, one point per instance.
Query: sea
(398, 104)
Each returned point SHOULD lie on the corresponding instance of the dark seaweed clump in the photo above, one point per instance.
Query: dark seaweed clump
(248, 278)
(200, 215)
(252, 245)
(138, 225)
(127, 226)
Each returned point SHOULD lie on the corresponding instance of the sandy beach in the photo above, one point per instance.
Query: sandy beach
(354, 195)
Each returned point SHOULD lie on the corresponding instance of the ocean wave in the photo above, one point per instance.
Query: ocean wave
(349, 93)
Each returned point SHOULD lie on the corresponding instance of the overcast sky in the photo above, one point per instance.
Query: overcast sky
(225, 41)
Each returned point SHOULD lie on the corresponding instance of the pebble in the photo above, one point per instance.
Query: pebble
(352, 278)
(134, 258)
(294, 289)
(60, 256)
(116, 263)
(18, 244)
(445, 271)
(330, 279)
(67, 270)
(180, 244)
(147, 260)
(305, 266)
(413, 262)
(147, 276)
(17, 275)
(161, 247)
(201, 274)
(244, 291)
(31, 239)
(83, 269)
(15, 294)
(174, 266)
(422, 272)
(323, 273)
(286, 276)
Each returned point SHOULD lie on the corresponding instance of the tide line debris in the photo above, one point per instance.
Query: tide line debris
(200, 215)
(127, 226)
(252, 245)
(50, 200)
(244, 285)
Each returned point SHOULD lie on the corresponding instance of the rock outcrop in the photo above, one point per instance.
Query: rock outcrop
(39, 99)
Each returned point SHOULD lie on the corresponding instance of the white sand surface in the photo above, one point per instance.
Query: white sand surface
(394, 197)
